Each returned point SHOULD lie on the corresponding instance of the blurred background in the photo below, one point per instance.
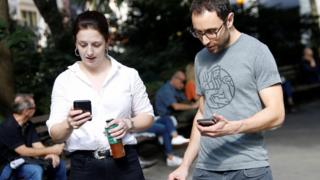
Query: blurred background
(36, 42)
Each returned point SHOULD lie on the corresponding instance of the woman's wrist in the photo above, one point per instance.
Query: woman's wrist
(130, 123)
(68, 124)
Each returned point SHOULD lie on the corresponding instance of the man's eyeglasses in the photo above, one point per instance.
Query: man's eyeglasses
(209, 33)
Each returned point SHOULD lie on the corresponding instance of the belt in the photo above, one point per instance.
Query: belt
(100, 154)
(97, 154)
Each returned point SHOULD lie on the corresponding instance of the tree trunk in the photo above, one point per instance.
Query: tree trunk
(6, 80)
(49, 11)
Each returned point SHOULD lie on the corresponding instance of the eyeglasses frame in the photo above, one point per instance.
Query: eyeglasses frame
(193, 33)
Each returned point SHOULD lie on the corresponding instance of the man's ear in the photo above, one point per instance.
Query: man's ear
(230, 19)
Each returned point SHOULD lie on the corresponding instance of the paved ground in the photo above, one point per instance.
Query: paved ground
(294, 149)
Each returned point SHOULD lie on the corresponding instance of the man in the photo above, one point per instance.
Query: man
(171, 101)
(239, 85)
(310, 67)
(18, 139)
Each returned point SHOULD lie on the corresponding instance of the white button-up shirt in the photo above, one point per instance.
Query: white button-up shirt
(123, 96)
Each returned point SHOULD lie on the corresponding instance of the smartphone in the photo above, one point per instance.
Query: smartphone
(206, 122)
(84, 105)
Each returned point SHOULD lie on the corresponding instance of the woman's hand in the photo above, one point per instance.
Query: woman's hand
(122, 128)
(76, 118)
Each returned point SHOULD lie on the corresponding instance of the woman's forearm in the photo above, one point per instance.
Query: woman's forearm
(61, 131)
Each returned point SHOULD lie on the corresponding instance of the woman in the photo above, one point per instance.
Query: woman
(190, 87)
(115, 91)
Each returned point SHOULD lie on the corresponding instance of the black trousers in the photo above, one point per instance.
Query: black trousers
(86, 167)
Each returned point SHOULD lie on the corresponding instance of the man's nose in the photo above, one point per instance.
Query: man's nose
(205, 40)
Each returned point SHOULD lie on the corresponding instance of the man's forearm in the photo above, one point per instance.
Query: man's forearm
(34, 152)
(194, 144)
(263, 120)
(183, 106)
(271, 116)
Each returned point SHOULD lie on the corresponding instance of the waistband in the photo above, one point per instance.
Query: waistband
(99, 154)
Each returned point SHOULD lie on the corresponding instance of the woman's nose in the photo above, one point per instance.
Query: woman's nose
(90, 51)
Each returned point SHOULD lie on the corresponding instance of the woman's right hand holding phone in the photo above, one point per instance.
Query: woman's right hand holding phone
(76, 118)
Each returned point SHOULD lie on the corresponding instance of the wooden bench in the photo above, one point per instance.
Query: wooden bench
(42, 130)
(294, 75)
(40, 124)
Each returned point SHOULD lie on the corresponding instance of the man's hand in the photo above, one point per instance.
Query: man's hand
(55, 159)
(221, 128)
(181, 173)
(57, 149)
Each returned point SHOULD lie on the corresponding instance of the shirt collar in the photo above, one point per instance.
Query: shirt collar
(115, 67)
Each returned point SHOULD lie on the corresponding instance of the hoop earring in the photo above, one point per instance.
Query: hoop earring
(76, 52)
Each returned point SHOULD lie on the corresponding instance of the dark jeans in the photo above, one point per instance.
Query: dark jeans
(35, 172)
(185, 120)
(263, 173)
(84, 167)
(287, 88)
(164, 127)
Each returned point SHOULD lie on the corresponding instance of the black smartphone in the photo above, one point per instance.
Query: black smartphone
(84, 105)
(206, 122)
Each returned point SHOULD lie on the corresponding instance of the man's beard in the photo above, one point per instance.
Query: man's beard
(225, 42)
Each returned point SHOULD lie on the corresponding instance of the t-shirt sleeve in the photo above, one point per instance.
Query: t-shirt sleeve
(266, 71)
(167, 97)
(11, 137)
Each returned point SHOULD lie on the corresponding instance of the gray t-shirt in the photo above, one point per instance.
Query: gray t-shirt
(230, 82)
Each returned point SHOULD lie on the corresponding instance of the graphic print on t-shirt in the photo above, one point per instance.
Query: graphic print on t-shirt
(218, 87)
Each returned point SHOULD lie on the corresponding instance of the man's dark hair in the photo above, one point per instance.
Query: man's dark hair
(221, 7)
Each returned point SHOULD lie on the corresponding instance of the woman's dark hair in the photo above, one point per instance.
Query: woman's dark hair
(91, 20)
(221, 7)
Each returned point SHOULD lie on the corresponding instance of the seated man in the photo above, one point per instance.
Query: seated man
(170, 100)
(18, 139)
(310, 67)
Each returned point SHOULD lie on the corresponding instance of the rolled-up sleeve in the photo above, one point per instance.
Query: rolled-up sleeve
(60, 105)
(140, 99)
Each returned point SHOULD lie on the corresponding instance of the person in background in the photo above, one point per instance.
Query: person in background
(115, 91)
(190, 87)
(288, 94)
(240, 95)
(171, 101)
(310, 67)
(19, 139)
(166, 130)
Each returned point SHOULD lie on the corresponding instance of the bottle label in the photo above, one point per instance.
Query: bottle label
(111, 139)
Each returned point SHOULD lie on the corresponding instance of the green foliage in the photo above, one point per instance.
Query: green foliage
(152, 88)
(35, 70)
(3, 29)
(280, 30)
(158, 40)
